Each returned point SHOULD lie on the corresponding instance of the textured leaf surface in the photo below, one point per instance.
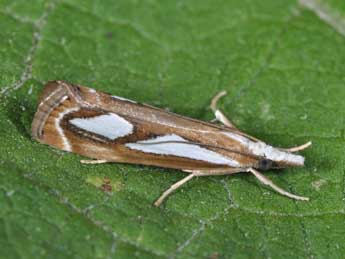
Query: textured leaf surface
(283, 65)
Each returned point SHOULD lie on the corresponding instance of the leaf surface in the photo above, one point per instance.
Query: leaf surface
(283, 66)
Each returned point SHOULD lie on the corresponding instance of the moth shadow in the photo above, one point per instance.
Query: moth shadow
(20, 112)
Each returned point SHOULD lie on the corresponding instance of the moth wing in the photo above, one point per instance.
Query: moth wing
(100, 126)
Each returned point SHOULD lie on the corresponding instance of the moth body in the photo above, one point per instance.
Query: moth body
(114, 129)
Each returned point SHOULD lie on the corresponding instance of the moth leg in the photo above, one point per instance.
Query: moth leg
(217, 113)
(93, 162)
(263, 179)
(172, 189)
(216, 171)
(175, 186)
(298, 148)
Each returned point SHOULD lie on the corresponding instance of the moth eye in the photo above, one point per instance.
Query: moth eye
(265, 164)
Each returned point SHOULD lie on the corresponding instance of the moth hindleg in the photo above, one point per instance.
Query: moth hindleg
(93, 162)
(217, 113)
(263, 179)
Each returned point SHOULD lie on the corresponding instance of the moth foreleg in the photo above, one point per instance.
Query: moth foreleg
(216, 171)
(217, 113)
(172, 188)
(192, 173)
(263, 179)
(93, 162)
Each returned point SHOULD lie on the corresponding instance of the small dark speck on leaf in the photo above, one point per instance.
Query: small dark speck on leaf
(109, 35)
(106, 186)
(214, 256)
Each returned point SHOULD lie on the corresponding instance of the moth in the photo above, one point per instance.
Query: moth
(109, 128)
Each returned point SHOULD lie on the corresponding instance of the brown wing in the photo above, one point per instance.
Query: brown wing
(97, 125)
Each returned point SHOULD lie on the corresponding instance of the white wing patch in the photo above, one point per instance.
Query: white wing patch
(181, 150)
(267, 151)
(122, 99)
(108, 125)
(91, 91)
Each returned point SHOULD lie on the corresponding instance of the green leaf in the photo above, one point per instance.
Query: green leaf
(282, 63)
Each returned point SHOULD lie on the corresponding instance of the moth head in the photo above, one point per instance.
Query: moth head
(266, 164)
(273, 158)
(266, 157)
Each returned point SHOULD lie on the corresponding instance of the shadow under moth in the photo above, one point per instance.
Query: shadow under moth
(108, 128)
